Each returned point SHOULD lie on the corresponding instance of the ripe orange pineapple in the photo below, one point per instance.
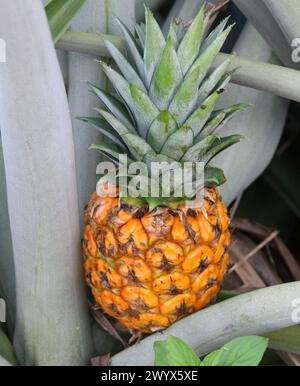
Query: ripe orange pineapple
(151, 261)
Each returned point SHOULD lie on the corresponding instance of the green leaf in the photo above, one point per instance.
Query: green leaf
(133, 48)
(141, 32)
(178, 143)
(119, 83)
(108, 149)
(243, 351)
(189, 47)
(207, 57)
(160, 130)
(199, 118)
(213, 177)
(143, 108)
(101, 125)
(166, 78)
(173, 35)
(125, 67)
(186, 97)
(174, 352)
(60, 14)
(221, 145)
(196, 152)
(136, 145)
(114, 106)
(214, 34)
(210, 127)
(211, 82)
(286, 339)
(154, 45)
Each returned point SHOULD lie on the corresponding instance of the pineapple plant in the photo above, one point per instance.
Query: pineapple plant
(150, 261)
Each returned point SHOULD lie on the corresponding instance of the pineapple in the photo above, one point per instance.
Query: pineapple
(150, 261)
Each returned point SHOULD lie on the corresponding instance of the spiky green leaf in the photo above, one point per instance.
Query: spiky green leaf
(189, 47)
(101, 125)
(119, 83)
(133, 48)
(143, 108)
(160, 130)
(219, 146)
(113, 104)
(199, 118)
(196, 152)
(211, 82)
(173, 35)
(108, 149)
(214, 34)
(166, 78)
(186, 97)
(60, 14)
(207, 57)
(125, 67)
(154, 45)
(178, 143)
(138, 147)
(210, 126)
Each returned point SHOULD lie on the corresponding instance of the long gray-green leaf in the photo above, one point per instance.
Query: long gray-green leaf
(255, 313)
(261, 125)
(125, 67)
(260, 16)
(45, 333)
(60, 14)
(114, 106)
(257, 74)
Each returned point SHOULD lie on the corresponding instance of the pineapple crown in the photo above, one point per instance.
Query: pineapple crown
(163, 109)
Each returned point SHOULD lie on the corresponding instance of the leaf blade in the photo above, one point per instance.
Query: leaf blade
(60, 14)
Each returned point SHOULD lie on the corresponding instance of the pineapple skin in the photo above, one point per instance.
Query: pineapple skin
(149, 270)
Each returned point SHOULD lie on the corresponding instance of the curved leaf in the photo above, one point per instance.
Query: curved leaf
(211, 82)
(174, 352)
(242, 351)
(196, 152)
(125, 67)
(101, 125)
(133, 48)
(178, 143)
(60, 14)
(160, 130)
(114, 106)
(199, 118)
(143, 108)
(255, 313)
